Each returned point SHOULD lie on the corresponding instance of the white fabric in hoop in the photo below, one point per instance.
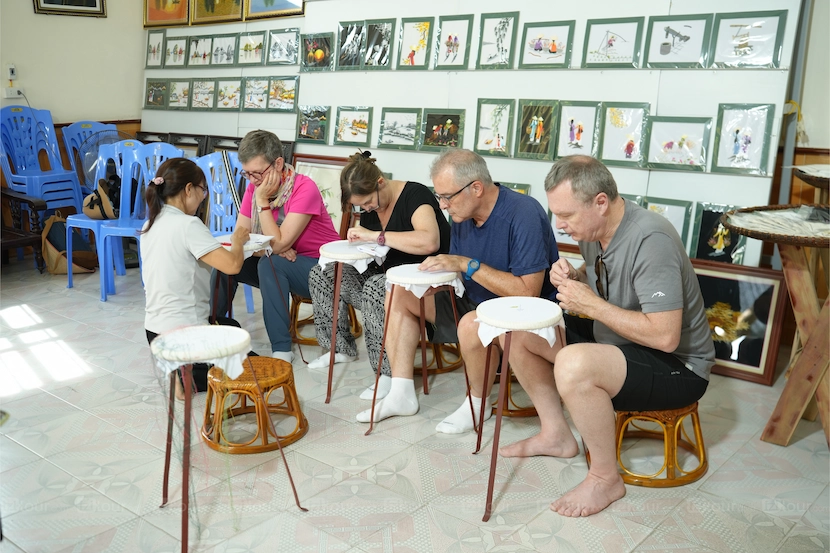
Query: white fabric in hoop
(358, 255)
(255, 243)
(418, 282)
(223, 346)
(513, 313)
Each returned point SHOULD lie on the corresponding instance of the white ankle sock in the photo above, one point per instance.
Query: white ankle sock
(284, 355)
(461, 421)
(384, 385)
(400, 401)
(322, 362)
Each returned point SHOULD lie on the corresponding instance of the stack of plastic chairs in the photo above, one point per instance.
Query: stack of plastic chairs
(25, 134)
(75, 134)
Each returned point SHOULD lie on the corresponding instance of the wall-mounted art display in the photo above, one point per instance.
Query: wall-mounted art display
(624, 133)
(452, 45)
(751, 39)
(165, 14)
(497, 40)
(442, 128)
(399, 128)
(325, 172)
(350, 43)
(255, 94)
(536, 128)
(678, 41)
(175, 52)
(203, 94)
(577, 128)
(223, 50)
(353, 126)
(494, 127)
(251, 48)
(380, 35)
(711, 240)
(282, 93)
(313, 124)
(255, 9)
(612, 42)
(415, 42)
(199, 51)
(546, 45)
(316, 52)
(155, 50)
(677, 212)
(520, 188)
(213, 11)
(563, 240)
(283, 45)
(742, 138)
(155, 94)
(745, 307)
(678, 143)
(178, 96)
(228, 94)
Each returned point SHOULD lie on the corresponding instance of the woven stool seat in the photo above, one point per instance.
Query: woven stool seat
(272, 375)
(673, 435)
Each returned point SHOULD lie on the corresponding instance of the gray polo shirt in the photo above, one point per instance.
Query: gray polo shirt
(649, 271)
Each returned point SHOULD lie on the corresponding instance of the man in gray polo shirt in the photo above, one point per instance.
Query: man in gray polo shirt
(643, 341)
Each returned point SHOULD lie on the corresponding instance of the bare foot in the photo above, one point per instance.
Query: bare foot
(591, 496)
(538, 445)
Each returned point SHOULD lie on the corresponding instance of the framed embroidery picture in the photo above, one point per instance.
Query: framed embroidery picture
(313, 124)
(199, 51)
(251, 49)
(678, 213)
(742, 138)
(711, 240)
(399, 128)
(228, 94)
(612, 42)
(255, 94)
(535, 129)
(155, 50)
(442, 128)
(494, 127)
(353, 126)
(350, 44)
(577, 128)
(224, 50)
(496, 40)
(520, 188)
(546, 45)
(175, 49)
(211, 11)
(680, 143)
(255, 9)
(282, 93)
(316, 52)
(750, 39)
(165, 14)
(203, 94)
(155, 94)
(379, 42)
(415, 42)
(178, 94)
(678, 41)
(283, 45)
(455, 33)
(624, 133)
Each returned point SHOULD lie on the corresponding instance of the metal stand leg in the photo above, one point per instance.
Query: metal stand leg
(170, 412)
(338, 275)
(495, 454)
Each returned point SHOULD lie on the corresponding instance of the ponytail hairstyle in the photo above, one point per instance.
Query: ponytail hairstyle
(171, 178)
(358, 178)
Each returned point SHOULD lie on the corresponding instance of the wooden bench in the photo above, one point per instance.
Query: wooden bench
(14, 235)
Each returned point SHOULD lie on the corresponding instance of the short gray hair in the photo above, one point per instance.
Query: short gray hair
(588, 177)
(466, 166)
(260, 143)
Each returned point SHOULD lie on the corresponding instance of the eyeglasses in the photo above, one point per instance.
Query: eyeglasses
(602, 273)
(203, 189)
(257, 175)
(448, 198)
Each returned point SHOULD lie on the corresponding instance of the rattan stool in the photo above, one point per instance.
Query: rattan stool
(272, 374)
(673, 436)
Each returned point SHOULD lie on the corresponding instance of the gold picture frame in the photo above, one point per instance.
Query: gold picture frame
(258, 9)
(204, 12)
(159, 13)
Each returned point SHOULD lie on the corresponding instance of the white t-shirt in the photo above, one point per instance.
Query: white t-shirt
(176, 283)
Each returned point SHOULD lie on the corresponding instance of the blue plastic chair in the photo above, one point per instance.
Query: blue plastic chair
(223, 212)
(24, 134)
(118, 153)
(75, 134)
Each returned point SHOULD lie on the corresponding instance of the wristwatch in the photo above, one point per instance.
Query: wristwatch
(472, 267)
(382, 238)
(261, 209)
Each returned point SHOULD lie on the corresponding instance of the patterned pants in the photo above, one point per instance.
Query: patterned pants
(366, 292)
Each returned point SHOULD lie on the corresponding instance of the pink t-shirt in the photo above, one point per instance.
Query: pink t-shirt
(305, 198)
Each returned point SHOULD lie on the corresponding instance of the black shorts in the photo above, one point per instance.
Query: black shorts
(655, 380)
(444, 330)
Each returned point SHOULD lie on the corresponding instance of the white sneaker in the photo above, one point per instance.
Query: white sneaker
(384, 385)
(322, 362)
(284, 355)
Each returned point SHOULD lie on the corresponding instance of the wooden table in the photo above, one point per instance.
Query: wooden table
(809, 374)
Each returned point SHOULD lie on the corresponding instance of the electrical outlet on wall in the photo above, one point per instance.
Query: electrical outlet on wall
(12, 92)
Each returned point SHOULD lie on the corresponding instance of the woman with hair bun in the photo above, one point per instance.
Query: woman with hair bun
(177, 253)
(401, 215)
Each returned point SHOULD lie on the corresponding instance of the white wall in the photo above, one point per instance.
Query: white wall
(76, 67)
(815, 104)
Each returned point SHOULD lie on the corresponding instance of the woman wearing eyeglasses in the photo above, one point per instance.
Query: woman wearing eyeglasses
(405, 217)
(288, 206)
(177, 252)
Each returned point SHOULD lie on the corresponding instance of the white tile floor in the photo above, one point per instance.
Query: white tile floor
(81, 459)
